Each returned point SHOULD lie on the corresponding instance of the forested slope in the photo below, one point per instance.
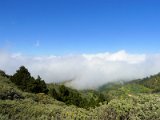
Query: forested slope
(128, 101)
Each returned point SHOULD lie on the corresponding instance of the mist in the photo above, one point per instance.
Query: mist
(84, 71)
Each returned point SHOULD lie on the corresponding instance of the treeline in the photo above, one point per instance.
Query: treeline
(75, 97)
(27, 83)
(23, 79)
(152, 82)
(2, 73)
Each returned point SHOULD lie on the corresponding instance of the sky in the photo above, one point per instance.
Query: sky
(87, 42)
(60, 27)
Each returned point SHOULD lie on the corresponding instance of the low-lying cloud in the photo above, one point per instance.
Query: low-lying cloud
(85, 70)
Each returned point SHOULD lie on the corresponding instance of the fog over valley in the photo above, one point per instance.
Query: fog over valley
(84, 71)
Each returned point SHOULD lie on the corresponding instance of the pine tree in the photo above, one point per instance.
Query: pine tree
(26, 82)
(21, 78)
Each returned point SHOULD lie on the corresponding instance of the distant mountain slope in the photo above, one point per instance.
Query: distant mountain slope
(110, 86)
(122, 89)
(152, 82)
(136, 86)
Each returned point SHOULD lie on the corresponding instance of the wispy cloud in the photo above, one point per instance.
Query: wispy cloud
(86, 70)
(37, 44)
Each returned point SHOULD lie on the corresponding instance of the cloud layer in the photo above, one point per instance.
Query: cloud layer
(85, 70)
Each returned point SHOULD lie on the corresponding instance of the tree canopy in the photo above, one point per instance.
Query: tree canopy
(23, 79)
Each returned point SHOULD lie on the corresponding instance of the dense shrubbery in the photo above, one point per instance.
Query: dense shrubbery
(141, 107)
(26, 82)
(74, 97)
(152, 82)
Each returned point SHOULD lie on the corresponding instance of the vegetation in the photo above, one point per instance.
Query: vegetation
(83, 99)
(2, 73)
(26, 82)
(23, 97)
(152, 82)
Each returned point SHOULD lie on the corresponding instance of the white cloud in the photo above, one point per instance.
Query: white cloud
(86, 70)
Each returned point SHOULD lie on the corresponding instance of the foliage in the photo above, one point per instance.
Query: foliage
(74, 97)
(110, 86)
(141, 107)
(131, 101)
(152, 82)
(8, 90)
(2, 73)
(125, 90)
(26, 82)
(136, 88)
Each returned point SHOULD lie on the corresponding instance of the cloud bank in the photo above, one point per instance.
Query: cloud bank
(85, 70)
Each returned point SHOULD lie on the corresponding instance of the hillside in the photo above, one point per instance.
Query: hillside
(146, 85)
(152, 82)
(133, 101)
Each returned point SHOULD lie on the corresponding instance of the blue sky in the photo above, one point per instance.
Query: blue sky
(44, 27)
